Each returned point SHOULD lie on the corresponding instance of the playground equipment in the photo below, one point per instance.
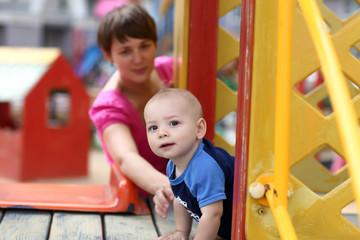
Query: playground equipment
(312, 216)
(120, 195)
(45, 146)
(268, 148)
(48, 135)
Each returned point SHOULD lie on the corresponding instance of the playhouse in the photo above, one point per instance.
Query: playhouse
(44, 126)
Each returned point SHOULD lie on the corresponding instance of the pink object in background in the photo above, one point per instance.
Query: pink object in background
(102, 7)
(337, 164)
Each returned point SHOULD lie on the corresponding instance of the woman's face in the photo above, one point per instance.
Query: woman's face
(133, 58)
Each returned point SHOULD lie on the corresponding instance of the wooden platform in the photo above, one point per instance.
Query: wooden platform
(60, 225)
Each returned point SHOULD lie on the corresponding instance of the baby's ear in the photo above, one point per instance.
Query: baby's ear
(201, 128)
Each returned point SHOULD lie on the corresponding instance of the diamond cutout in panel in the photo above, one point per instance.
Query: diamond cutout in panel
(315, 92)
(226, 127)
(309, 84)
(231, 22)
(328, 28)
(317, 170)
(325, 106)
(351, 214)
(354, 89)
(229, 74)
(355, 50)
(330, 159)
(343, 9)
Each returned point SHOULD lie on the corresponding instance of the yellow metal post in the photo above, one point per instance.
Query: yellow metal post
(339, 94)
(282, 103)
(277, 194)
(181, 37)
(281, 216)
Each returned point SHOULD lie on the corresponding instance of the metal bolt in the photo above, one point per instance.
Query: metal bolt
(261, 211)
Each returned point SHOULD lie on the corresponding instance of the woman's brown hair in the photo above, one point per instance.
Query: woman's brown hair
(129, 20)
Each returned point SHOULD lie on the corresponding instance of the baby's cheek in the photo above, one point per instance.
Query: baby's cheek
(152, 144)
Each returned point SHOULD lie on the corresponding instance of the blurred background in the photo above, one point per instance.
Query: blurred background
(71, 27)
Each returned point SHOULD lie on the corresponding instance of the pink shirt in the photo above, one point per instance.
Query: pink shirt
(111, 106)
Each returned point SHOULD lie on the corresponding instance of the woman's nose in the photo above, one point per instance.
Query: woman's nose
(137, 56)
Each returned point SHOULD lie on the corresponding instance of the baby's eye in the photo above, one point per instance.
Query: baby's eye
(174, 123)
(152, 128)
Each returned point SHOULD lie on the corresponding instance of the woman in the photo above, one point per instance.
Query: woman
(127, 38)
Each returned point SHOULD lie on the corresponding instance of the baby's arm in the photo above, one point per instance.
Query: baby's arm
(183, 222)
(210, 221)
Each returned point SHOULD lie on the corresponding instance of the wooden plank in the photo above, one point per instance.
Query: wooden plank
(25, 224)
(164, 226)
(167, 226)
(129, 227)
(66, 225)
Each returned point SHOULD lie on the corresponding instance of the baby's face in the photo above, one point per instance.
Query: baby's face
(171, 128)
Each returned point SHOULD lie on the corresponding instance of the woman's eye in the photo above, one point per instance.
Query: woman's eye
(144, 46)
(174, 123)
(125, 52)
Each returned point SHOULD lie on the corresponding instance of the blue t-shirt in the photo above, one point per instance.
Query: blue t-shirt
(208, 178)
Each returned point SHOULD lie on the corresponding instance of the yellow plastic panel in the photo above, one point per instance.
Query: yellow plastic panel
(313, 217)
(228, 100)
(221, 142)
(228, 48)
(226, 103)
(227, 5)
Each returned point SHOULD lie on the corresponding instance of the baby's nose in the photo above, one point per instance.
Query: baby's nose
(163, 132)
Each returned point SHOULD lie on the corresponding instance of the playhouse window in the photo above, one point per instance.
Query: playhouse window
(59, 108)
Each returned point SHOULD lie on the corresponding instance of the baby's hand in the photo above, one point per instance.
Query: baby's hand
(161, 200)
(175, 236)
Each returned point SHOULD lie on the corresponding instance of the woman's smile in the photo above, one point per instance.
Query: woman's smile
(140, 70)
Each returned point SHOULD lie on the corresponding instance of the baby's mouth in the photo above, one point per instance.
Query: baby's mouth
(166, 145)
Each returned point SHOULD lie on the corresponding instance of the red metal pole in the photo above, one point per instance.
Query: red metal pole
(243, 118)
(203, 27)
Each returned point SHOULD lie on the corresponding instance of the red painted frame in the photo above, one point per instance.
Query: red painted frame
(202, 83)
(202, 57)
(243, 118)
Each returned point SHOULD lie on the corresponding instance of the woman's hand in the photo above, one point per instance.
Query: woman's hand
(162, 199)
